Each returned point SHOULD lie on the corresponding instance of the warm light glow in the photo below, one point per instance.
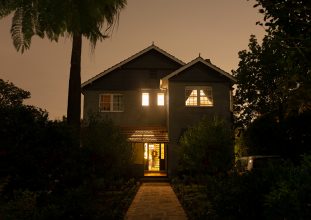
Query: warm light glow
(199, 96)
(191, 98)
(146, 151)
(162, 152)
(160, 99)
(145, 99)
(206, 97)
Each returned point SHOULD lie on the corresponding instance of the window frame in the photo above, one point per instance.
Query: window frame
(143, 104)
(198, 96)
(112, 102)
(158, 95)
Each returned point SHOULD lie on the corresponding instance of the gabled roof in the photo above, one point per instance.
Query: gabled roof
(152, 47)
(207, 63)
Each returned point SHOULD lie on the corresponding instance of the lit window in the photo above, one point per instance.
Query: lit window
(191, 97)
(145, 99)
(206, 98)
(199, 96)
(111, 103)
(160, 99)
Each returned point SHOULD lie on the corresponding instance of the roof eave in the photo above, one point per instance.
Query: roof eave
(130, 59)
(199, 59)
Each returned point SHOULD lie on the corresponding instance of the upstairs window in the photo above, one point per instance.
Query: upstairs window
(160, 100)
(111, 102)
(145, 99)
(199, 96)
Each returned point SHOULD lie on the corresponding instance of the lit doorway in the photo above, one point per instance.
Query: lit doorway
(155, 157)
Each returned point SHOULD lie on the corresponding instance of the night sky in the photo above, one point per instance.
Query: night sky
(217, 29)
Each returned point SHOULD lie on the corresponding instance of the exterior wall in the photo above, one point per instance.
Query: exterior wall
(134, 113)
(138, 166)
(141, 74)
(180, 117)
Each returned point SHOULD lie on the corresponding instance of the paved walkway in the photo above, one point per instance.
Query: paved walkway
(155, 201)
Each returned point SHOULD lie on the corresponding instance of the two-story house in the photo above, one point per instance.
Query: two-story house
(154, 97)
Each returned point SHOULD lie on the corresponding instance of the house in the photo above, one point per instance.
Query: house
(153, 97)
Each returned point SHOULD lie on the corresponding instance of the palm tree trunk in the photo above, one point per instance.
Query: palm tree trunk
(74, 90)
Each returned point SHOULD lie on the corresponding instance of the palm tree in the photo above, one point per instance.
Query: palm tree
(92, 19)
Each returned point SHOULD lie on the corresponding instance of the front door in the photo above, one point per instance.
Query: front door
(154, 156)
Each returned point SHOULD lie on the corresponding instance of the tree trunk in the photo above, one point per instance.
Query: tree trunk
(74, 90)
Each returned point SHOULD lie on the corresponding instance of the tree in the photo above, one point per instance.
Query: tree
(10, 95)
(263, 81)
(275, 77)
(56, 18)
(291, 21)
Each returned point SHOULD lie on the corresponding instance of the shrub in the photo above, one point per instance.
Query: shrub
(290, 198)
(110, 153)
(206, 148)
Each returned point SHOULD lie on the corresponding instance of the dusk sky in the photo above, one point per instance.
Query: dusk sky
(215, 29)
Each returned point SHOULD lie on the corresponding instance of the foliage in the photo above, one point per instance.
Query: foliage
(44, 175)
(206, 148)
(290, 138)
(275, 77)
(75, 203)
(10, 95)
(267, 83)
(275, 192)
(111, 154)
(291, 21)
(56, 18)
(290, 198)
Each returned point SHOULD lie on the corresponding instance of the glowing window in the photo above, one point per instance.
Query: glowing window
(160, 99)
(206, 98)
(191, 97)
(199, 96)
(145, 99)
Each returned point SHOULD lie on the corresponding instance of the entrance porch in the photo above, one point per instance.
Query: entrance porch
(150, 150)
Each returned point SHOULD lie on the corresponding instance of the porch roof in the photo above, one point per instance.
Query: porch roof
(145, 134)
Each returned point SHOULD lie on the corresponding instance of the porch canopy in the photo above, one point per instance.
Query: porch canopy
(146, 134)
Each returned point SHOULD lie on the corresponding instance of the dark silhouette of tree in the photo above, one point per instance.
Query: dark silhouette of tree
(56, 18)
(291, 21)
(11, 95)
(275, 77)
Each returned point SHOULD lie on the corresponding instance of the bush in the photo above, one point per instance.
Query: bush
(46, 174)
(110, 153)
(290, 198)
(276, 192)
(206, 148)
(289, 138)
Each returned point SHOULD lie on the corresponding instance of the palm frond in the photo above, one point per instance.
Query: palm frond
(7, 7)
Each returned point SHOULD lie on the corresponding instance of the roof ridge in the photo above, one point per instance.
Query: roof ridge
(197, 59)
(132, 57)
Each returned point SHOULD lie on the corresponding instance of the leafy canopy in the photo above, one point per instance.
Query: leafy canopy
(10, 95)
(56, 18)
(275, 77)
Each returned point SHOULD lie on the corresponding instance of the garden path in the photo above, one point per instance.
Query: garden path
(155, 201)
